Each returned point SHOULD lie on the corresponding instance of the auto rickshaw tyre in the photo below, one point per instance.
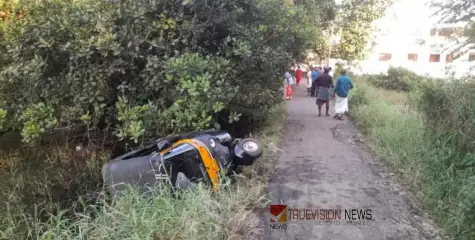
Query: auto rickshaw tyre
(247, 151)
(256, 152)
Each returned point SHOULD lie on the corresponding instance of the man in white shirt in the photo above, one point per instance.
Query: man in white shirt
(331, 71)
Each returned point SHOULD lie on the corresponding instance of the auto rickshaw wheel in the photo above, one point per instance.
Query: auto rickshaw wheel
(247, 151)
(252, 147)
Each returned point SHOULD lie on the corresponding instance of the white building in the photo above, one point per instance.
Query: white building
(409, 36)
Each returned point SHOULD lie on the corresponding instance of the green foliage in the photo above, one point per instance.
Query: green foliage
(202, 92)
(450, 107)
(36, 119)
(146, 69)
(60, 198)
(355, 23)
(397, 79)
(457, 12)
(3, 119)
(322, 46)
(322, 13)
(338, 69)
(430, 142)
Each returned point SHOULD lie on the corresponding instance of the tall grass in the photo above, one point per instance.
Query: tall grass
(86, 214)
(429, 156)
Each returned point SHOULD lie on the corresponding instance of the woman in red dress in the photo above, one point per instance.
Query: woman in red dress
(298, 75)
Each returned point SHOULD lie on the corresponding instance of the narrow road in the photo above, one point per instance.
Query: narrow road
(324, 166)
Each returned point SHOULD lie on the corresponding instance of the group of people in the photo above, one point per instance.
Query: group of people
(320, 84)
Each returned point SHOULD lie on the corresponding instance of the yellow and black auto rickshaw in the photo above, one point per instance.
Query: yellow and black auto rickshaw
(182, 161)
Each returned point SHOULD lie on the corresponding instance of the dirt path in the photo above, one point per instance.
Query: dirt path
(324, 166)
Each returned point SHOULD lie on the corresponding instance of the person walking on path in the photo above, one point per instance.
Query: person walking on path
(298, 75)
(315, 74)
(310, 81)
(288, 86)
(324, 83)
(331, 71)
(342, 88)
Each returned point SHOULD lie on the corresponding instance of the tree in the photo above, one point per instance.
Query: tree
(322, 13)
(458, 11)
(354, 20)
(322, 45)
(143, 69)
(454, 11)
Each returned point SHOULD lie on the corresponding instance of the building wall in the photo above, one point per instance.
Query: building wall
(406, 29)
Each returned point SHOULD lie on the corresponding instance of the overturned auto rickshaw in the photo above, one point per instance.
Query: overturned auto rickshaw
(182, 161)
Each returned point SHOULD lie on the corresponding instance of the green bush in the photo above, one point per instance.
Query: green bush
(137, 69)
(145, 68)
(359, 95)
(449, 107)
(398, 79)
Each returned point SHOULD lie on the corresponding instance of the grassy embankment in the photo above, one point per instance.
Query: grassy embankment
(425, 134)
(44, 185)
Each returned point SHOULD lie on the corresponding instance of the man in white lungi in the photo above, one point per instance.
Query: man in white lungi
(309, 79)
(341, 92)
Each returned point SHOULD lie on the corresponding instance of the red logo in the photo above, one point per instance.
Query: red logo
(278, 213)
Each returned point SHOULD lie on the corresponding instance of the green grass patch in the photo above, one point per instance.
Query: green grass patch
(430, 159)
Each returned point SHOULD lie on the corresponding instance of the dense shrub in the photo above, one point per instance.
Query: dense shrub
(145, 68)
(449, 106)
(398, 79)
(138, 69)
(359, 95)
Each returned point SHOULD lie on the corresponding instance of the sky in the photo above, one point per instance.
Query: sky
(408, 16)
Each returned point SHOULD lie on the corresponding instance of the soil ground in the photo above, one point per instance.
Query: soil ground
(324, 166)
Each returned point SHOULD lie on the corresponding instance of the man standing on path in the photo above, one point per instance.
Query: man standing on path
(309, 80)
(314, 77)
(342, 89)
(331, 71)
(298, 74)
(324, 83)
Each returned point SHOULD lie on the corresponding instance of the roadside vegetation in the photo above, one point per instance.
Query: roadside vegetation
(199, 214)
(81, 81)
(424, 128)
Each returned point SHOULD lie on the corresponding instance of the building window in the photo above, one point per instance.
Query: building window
(471, 57)
(385, 56)
(446, 32)
(434, 58)
(412, 57)
(451, 32)
(449, 58)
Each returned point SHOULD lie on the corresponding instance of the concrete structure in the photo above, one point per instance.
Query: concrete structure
(409, 36)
